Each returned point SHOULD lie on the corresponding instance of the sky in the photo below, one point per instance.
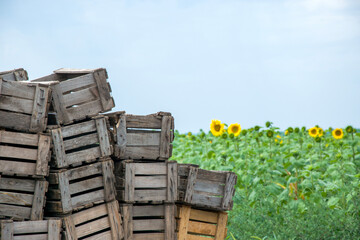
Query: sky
(291, 62)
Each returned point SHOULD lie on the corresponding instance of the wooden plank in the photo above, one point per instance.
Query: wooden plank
(109, 180)
(18, 89)
(103, 136)
(127, 215)
(184, 222)
(32, 237)
(149, 236)
(76, 71)
(15, 211)
(196, 237)
(159, 168)
(19, 138)
(16, 198)
(84, 171)
(58, 148)
(84, 155)
(1, 83)
(17, 152)
(170, 223)
(30, 227)
(88, 214)
(38, 120)
(209, 187)
(15, 121)
(150, 195)
(64, 186)
(86, 185)
(221, 226)
(229, 191)
(77, 83)
(102, 236)
(117, 231)
(80, 97)
(17, 184)
(149, 225)
(202, 228)
(84, 110)
(121, 135)
(207, 201)
(157, 181)
(92, 227)
(42, 164)
(54, 227)
(129, 182)
(141, 153)
(82, 141)
(12, 167)
(165, 137)
(217, 176)
(70, 230)
(7, 230)
(38, 202)
(104, 91)
(149, 210)
(143, 139)
(191, 180)
(148, 121)
(90, 197)
(172, 181)
(58, 104)
(78, 128)
(204, 216)
(14, 75)
(13, 104)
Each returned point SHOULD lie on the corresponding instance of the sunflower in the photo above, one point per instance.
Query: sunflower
(338, 133)
(269, 133)
(216, 127)
(313, 132)
(286, 132)
(235, 129)
(320, 132)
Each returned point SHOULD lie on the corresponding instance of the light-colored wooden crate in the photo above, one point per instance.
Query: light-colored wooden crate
(194, 224)
(81, 93)
(80, 187)
(31, 230)
(18, 74)
(22, 198)
(80, 142)
(146, 181)
(142, 137)
(148, 222)
(206, 189)
(24, 106)
(102, 222)
(24, 154)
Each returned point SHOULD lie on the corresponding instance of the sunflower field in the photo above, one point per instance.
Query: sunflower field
(294, 184)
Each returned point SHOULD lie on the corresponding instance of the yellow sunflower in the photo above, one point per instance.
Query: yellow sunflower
(235, 129)
(338, 133)
(313, 132)
(216, 127)
(320, 132)
(286, 132)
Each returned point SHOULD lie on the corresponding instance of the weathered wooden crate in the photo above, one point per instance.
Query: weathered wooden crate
(80, 142)
(206, 189)
(81, 93)
(148, 222)
(80, 187)
(18, 74)
(146, 181)
(24, 106)
(197, 224)
(99, 222)
(142, 137)
(31, 230)
(22, 198)
(24, 154)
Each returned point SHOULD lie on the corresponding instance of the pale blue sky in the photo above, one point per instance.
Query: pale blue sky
(291, 62)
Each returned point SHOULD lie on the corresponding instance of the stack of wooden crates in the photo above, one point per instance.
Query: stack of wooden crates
(90, 161)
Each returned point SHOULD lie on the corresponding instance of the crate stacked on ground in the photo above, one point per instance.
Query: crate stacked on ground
(18, 74)
(146, 182)
(81, 181)
(204, 196)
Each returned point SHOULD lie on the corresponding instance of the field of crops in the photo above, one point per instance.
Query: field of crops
(293, 184)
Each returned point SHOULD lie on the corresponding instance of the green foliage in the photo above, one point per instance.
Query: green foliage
(289, 186)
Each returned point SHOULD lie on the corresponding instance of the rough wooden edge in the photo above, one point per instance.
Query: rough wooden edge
(7, 230)
(109, 180)
(59, 106)
(42, 163)
(70, 231)
(66, 203)
(117, 230)
(59, 149)
(165, 137)
(191, 180)
(127, 215)
(172, 181)
(1, 81)
(229, 191)
(38, 203)
(104, 91)
(120, 137)
(54, 229)
(221, 226)
(170, 223)
(184, 216)
(105, 147)
(129, 182)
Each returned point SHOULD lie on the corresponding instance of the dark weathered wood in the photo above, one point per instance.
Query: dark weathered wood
(151, 221)
(142, 137)
(76, 188)
(7, 230)
(22, 198)
(80, 93)
(87, 141)
(194, 223)
(98, 222)
(146, 181)
(212, 190)
(18, 74)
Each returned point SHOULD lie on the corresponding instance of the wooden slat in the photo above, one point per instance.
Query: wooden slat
(216, 176)
(54, 228)
(209, 187)
(58, 104)
(184, 222)
(196, 237)
(81, 141)
(165, 137)
(191, 180)
(138, 121)
(204, 216)
(88, 214)
(19, 138)
(149, 236)
(12, 167)
(129, 182)
(229, 191)
(103, 137)
(43, 158)
(104, 91)
(121, 136)
(16, 152)
(17, 89)
(102, 236)
(221, 226)
(32, 237)
(149, 210)
(88, 198)
(15, 121)
(86, 185)
(79, 128)
(109, 180)
(202, 228)
(201, 200)
(40, 108)
(92, 227)
(172, 182)
(76, 71)
(149, 225)
(150, 195)
(7, 229)
(81, 156)
(127, 215)
(84, 171)
(117, 231)
(80, 97)
(30, 227)
(143, 139)
(16, 104)
(77, 83)
(69, 228)
(64, 186)
(151, 168)
(17, 184)
(157, 181)
(170, 223)
(16, 198)
(84, 110)
(141, 153)
(15, 211)
(59, 148)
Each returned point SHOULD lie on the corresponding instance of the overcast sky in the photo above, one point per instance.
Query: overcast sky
(293, 62)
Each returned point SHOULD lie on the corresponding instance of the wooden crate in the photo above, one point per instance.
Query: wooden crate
(206, 189)
(194, 224)
(22, 198)
(24, 106)
(31, 230)
(99, 222)
(24, 154)
(80, 187)
(80, 142)
(14, 75)
(81, 93)
(142, 137)
(148, 222)
(146, 181)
